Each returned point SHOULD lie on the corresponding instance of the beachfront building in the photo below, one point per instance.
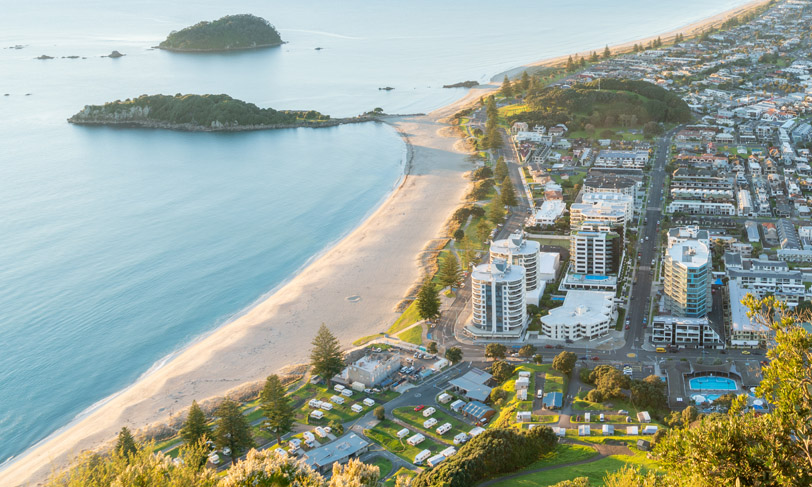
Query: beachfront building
(687, 280)
(371, 370)
(584, 314)
(518, 251)
(679, 331)
(761, 277)
(498, 300)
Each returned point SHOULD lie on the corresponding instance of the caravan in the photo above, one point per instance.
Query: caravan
(420, 457)
(429, 423)
(416, 439)
(445, 428)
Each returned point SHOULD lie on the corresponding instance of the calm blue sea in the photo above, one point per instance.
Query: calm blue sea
(118, 247)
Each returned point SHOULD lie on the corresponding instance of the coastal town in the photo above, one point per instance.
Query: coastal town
(630, 216)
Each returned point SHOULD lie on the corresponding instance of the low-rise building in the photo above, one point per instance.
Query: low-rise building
(473, 384)
(622, 158)
(371, 370)
(339, 451)
(696, 207)
(674, 330)
(549, 212)
(584, 314)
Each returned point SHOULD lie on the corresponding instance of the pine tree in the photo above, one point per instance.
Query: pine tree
(232, 430)
(428, 303)
(508, 195)
(507, 89)
(276, 407)
(325, 357)
(125, 445)
(525, 83)
(467, 251)
(495, 211)
(570, 64)
(500, 172)
(483, 229)
(195, 427)
(593, 57)
(583, 62)
(607, 53)
(449, 273)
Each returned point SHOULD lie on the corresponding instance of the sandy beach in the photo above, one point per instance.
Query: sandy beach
(378, 262)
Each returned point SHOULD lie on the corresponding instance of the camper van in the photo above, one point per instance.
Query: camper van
(357, 408)
(445, 428)
(369, 402)
(433, 461)
(337, 399)
(314, 403)
(428, 412)
(316, 414)
(420, 457)
(346, 393)
(460, 438)
(403, 433)
(429, 423)
(448, 452)
(416, 439)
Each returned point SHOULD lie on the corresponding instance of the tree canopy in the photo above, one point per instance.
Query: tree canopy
(202, 111)
(325, 356)
(232, 430)
(195, 428)
(276, 407)
(428, 303)
(228, 33)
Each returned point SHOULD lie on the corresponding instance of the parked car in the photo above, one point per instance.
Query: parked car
(548, 346)
(627, 327)
(419, 408)
(596, 358)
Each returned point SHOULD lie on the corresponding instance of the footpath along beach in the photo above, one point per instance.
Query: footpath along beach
(375, 265)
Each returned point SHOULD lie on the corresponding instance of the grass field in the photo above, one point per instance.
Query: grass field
(408, 318)
(408, 415)
(413, 335)
(385, 433)
(384, 464)
(402, 472)
(366, 339)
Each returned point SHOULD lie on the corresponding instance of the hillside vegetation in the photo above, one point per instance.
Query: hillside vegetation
(617, 102)
(231, 32)
(192, 111)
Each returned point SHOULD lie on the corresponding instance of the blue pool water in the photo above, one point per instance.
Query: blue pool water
(595, 278)
(711, 383)
(558, 298)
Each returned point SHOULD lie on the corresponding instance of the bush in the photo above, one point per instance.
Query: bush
(584, 374)
(594, 396)
(494, 452)
(380, 413)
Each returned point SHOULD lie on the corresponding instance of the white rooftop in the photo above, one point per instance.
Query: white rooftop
(581, 307)
(498, 271)
(691, 253)
(515, 244)
(738, 312)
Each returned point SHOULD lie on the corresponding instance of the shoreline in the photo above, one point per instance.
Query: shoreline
(187, 127)
(391, 237)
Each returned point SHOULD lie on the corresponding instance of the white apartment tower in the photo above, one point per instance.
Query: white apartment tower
(498, 299)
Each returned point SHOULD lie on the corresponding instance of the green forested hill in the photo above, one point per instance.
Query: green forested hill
(192, 111)
(231, 32)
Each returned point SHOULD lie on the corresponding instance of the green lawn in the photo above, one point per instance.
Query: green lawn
(595, 471)
(384, 464)
(408, 415)
(402, 472)
(366, 339)
(385, 434)
(413, 335)
(564, 453)
(408, 318)
(553, 382)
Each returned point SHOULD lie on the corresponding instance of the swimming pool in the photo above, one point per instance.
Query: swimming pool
(711, 383)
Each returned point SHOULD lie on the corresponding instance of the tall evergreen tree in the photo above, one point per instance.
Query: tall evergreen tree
(276, 407)
(195, 428)
(606, 52)
(483, 229)
(325, 357)
(593, 57)
(525, 83)
(508, 195)
(232, 430)
(449, 273)
(125, 444)
(570, 64)
(496, 211)
(466, 251)
(507, 89)
(500, 171)
(428, 303)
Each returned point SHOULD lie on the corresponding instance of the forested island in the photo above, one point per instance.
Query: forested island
(200, 113)
(232, 32)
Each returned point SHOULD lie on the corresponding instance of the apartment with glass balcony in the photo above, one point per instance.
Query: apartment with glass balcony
(687, 279)
(498, 300)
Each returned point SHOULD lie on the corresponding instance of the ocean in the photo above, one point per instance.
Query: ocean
(119, 247)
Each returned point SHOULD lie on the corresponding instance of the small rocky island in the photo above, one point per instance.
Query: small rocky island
(200, 113)
(462, 84)
(230, 33)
